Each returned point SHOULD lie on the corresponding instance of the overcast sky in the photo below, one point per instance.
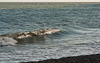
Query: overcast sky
(49, 0)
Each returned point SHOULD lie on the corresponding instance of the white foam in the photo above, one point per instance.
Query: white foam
(23, 36)
(7, 41)
(31, 52)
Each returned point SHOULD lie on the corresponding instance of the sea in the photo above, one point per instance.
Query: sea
(79, 23)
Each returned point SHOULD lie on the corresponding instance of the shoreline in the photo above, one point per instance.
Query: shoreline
(93, 58)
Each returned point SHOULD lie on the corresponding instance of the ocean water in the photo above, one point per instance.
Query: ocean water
(79, 24)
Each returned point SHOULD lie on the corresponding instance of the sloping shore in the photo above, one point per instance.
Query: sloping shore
(95, 58)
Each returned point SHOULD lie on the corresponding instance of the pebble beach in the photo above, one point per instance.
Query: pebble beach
(95, 58)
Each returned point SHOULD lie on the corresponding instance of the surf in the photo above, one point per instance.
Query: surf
(12, 39)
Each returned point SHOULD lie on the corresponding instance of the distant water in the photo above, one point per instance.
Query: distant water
(80, 25)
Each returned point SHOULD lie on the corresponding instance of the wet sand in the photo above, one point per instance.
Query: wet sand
(95, 58)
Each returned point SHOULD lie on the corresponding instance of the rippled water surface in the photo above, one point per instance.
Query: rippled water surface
(80, 35)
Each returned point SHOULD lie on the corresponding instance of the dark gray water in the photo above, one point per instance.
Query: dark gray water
(79, 24)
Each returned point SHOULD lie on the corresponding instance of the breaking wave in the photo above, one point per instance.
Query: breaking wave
(4, 41)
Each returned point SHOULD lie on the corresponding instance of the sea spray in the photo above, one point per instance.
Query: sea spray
(4, 41)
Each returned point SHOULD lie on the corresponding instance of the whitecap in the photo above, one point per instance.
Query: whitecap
(4, 41)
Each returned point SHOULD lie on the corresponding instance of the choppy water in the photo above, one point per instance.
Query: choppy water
(79, 24)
